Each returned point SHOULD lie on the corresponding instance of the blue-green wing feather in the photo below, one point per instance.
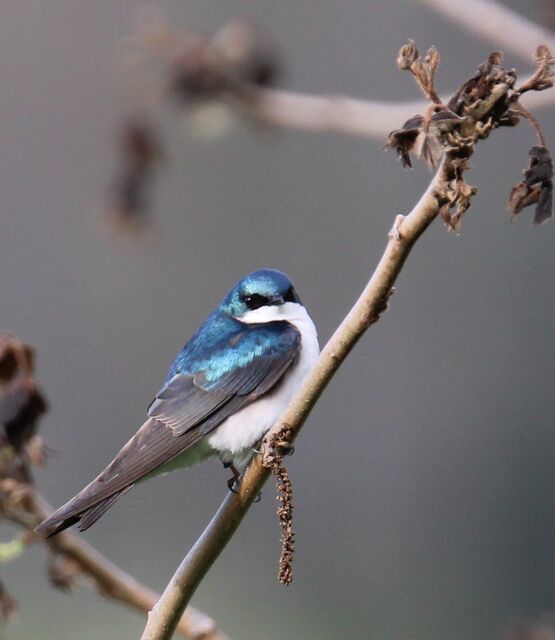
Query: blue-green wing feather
(209, 385)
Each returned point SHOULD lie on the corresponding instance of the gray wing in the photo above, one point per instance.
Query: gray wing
(186, 409)
(185, 404)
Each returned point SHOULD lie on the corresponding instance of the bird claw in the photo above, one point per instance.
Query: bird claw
(231, 484)
(234, 478)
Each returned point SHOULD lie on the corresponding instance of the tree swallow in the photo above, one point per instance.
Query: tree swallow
(225, 389)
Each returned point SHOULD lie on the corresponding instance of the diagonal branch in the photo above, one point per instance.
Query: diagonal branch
(372, 302)
(117, 585)
(327, 113)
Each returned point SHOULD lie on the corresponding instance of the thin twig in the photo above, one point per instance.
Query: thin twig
(372, 302)
(374, 118)
(341, 114)
(333, 113)
(117, 585)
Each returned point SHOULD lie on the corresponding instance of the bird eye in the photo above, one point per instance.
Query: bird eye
(255, 301)
(291, 295)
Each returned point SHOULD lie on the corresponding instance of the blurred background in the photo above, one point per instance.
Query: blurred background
(425, 478)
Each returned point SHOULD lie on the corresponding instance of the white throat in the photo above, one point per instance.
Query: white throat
(290, 311)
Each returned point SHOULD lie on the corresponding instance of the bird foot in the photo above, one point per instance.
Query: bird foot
(231, 484)
(234, 480)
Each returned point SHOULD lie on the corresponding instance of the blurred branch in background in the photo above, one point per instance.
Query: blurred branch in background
(128, 198)
(496, 24)
(445, 134)
(70, 559)
(235, 73)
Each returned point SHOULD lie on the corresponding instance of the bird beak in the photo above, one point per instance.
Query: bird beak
(276, 300)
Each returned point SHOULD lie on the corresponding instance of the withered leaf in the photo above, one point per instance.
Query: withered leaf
(408, 54)
(544, 210)
(139, 149)
(541, 166)
(536, 188)
(20, 408)
(63, 573)
(8, 364)
(423, 71)
(238, 56)
(429, 148)
(543, 77)
(15, 357)
(8, 605)
(403, 141)
(251, 55)
(488, 78)
(432, 59)
(425, 144)
(198, 73)
(21, 401)
(446, 120)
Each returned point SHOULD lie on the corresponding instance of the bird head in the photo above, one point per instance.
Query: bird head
(261, 296)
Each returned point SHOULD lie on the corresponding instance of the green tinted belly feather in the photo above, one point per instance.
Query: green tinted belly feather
(195, 454)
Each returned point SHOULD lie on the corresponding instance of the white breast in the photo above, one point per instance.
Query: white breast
(235, 437)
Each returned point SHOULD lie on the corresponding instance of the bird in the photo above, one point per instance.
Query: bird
(225, 389)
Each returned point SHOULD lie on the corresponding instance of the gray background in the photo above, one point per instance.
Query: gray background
(424, 479)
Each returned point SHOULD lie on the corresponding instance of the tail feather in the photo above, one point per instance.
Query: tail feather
(67, 516)
(152, 446)
(90, 516)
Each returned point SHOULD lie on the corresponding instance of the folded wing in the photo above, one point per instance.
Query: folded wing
(194, 402)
